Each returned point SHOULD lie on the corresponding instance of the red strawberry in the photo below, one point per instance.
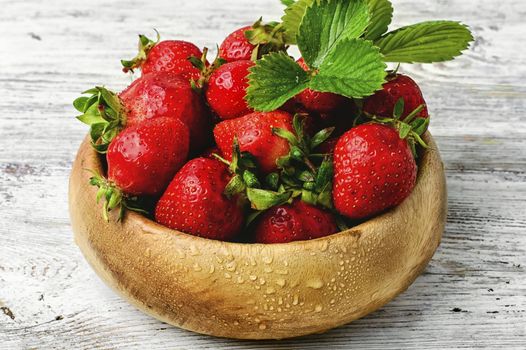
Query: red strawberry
(227, 89)
(254, 134)
(252, 42)
(321, 102)
(167, 95)
(374, 170)
(194, 202)
(236, 46)
(171, 56)
(168, 56)
(142, 159)
(383, 102)
(298, 221)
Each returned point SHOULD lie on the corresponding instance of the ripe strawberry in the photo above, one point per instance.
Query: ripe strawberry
(382, 103)
(142, 159)
(167, 95)
(374, 170)
(194, 202)
(252, 42)
(254, 134)
(168, 56)
(298, 221)
(236, 46)
(227, 89)
(321, 102)
(152, 96)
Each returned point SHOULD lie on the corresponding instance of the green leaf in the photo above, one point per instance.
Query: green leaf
(90, 119)
(274, 80)
(251, 217)
(420, 125)
(425, 42)
(292, 19)
(320, 137)
(80, 103)
(328, 22)
(263, 199)
(381, 15)
(287, 2)
(272, 181)
(234, 186)
(111, 99)
(399, 108)
(285, 134)
(251, 179)
(404, 131)
(325, 174)
(308, 197)
(357, 77)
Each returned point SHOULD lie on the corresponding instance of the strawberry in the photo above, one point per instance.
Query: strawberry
(252, 42)
(151, 96)
(374, 170)
(168, 56)
(315, 101)
(298, 221)
(236, 46)
(254, 133)
(142, 159)
(383, 102)
(194, 202)
(155, 95)
(141, 162)
(227, 89)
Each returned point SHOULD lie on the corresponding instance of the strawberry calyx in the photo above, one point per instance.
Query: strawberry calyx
(267, 37)
(243, 169)
(245, 182)
(410, 128)
(206, 69)
(113, 197)
(104, 113)
(307, 174)
(145, 45)
(303, 174)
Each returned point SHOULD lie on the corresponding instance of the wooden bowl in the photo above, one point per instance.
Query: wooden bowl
(257, 291)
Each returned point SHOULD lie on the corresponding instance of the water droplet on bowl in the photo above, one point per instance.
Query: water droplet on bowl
(314, 283)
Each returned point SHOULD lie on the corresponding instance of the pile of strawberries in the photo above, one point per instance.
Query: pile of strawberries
(183, 145)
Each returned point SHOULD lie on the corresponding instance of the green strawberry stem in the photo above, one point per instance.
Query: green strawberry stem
(301, 170)
(112, 196)
(267, 38)
(104, 113)
(410, 128)
(145, 45)
(206, 70)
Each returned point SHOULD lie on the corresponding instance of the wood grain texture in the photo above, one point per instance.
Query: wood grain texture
(472, 294)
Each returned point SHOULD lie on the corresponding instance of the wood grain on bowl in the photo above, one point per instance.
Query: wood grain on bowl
(254, 291)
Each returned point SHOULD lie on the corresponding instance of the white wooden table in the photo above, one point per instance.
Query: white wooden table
(473, 294)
